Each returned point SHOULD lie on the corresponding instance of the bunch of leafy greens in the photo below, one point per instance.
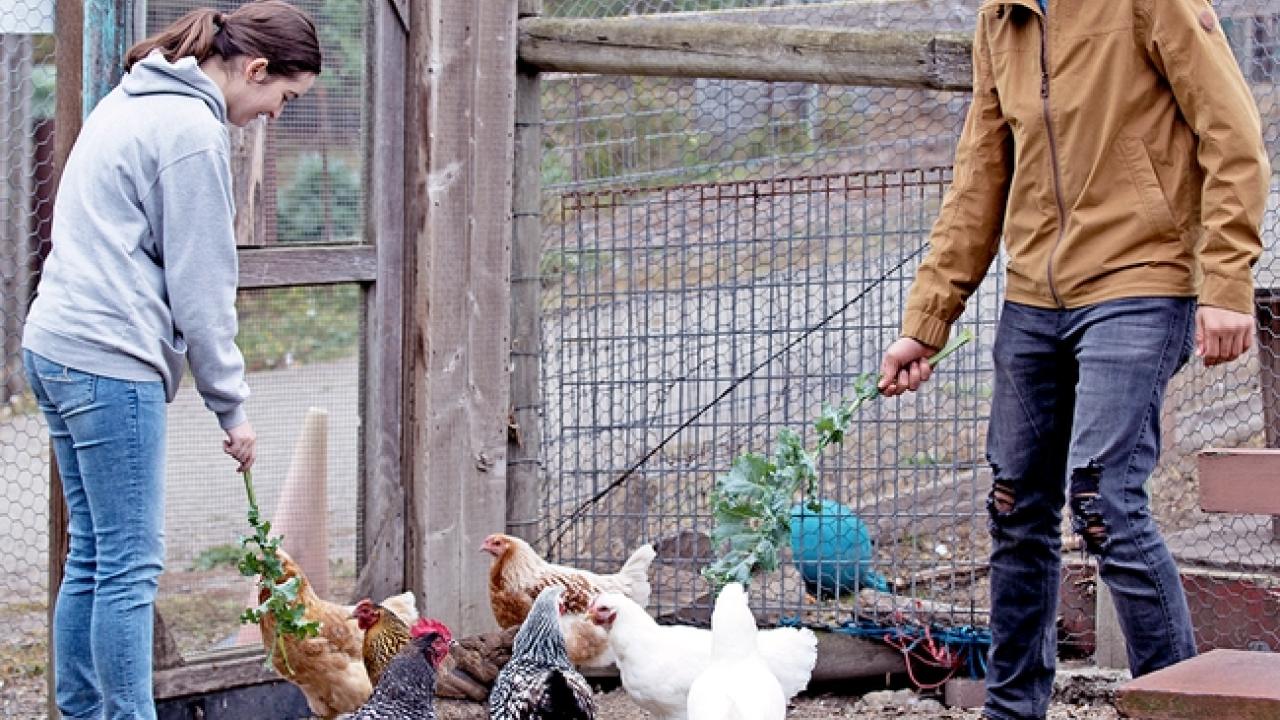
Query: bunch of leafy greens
(751, 504)
(261, 559)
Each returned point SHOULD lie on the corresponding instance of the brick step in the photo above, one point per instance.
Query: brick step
(1220, 684)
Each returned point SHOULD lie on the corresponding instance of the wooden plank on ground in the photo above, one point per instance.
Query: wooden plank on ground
(672, 47)
(461, 124)
(213, 672)
(841, 657)
(1232, 684)
(1240, 480)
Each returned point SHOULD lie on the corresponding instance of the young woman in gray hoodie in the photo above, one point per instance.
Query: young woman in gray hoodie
(140, 282)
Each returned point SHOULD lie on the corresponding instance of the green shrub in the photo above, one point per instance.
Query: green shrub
(283, 326)
(320, 181)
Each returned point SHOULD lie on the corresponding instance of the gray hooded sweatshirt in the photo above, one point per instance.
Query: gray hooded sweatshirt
(142, 275)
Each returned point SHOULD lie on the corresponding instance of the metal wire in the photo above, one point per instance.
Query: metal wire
(658, 298)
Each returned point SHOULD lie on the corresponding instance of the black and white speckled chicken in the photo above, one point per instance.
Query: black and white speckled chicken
(408, 685)
(539, 683)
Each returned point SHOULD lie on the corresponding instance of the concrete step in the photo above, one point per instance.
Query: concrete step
(1220, 684)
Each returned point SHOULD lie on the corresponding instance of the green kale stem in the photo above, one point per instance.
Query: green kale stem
(282, 602)
(956, 342)
(751, 504)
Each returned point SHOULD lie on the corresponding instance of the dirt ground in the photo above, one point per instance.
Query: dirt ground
(1082, 694)
(901, 703)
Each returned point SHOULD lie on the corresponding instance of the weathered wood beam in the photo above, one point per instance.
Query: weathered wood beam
(281, 266)
(213, 672)
(248, 175)
(461, 101)
(524, 441)
(109, 29)
(747, 51)
(380, 548)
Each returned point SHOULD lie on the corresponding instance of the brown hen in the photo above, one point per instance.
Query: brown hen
(328, 668)
(384, 635)
(518, 574)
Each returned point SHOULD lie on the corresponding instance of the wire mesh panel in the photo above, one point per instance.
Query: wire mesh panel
(301, 346)
(660, 297)
(311, 159)
(689, 324)
(302, 349)
(26, 151)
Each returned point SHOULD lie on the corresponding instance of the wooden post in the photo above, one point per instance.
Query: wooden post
(462, 100)
(108, 30)
(381, 553)
(69, 22)
(15, 207)
(248, 168)
(525, 437)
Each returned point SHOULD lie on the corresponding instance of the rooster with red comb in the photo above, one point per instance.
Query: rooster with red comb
(408, 685)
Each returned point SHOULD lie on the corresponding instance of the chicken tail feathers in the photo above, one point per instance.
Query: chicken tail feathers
(565, 699)
(636, 569)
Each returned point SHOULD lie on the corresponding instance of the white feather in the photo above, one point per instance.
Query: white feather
(738, 684)
(658, 663)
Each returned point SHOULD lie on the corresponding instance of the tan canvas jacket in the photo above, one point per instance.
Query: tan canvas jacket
(1116, 147)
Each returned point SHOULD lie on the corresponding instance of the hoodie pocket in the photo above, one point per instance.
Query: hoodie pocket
(1153, 203)
(175, 361)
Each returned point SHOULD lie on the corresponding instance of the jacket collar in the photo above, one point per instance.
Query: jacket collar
(1031, 5)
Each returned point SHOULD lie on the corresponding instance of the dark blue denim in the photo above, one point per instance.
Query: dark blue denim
(109, 438)
(1075, 419)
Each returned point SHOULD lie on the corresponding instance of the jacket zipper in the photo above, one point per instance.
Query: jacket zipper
(1053, 154)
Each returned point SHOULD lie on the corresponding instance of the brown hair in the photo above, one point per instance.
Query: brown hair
(271, 29)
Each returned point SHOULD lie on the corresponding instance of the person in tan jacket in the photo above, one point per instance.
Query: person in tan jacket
(1118, 151)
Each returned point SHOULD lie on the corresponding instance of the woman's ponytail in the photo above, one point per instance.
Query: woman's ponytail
(192, 34)
(271, 29)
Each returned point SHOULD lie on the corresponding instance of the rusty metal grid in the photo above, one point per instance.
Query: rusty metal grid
(688, 324)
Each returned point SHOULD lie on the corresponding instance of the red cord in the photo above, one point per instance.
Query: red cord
(935, 656)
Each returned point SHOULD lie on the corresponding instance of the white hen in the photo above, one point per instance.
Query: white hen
(737, 685)
(658, 663)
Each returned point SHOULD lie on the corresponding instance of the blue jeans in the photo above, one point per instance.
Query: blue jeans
(1075, 418)
(109, 439)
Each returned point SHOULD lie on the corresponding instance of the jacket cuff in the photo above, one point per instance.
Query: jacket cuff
(233, 417)
(1231, 293)
(930, 330)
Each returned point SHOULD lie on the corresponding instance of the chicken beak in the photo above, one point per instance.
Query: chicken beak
(602, 617)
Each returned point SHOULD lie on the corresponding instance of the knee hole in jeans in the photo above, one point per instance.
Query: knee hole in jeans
(1001, 500)
(1086, 514)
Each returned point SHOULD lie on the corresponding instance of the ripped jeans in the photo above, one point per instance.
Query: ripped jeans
(1075, 418)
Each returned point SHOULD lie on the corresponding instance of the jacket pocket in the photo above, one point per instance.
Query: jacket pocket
(1154, 205)
(67, 389)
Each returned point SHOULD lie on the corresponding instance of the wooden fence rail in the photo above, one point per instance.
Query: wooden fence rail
(747, 51)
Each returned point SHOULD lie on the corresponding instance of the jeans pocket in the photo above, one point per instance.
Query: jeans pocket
(67, 389)
(1188, 338)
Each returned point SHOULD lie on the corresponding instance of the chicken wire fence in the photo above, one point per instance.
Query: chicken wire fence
(695, 229)
(301, 346)
(27, 47)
